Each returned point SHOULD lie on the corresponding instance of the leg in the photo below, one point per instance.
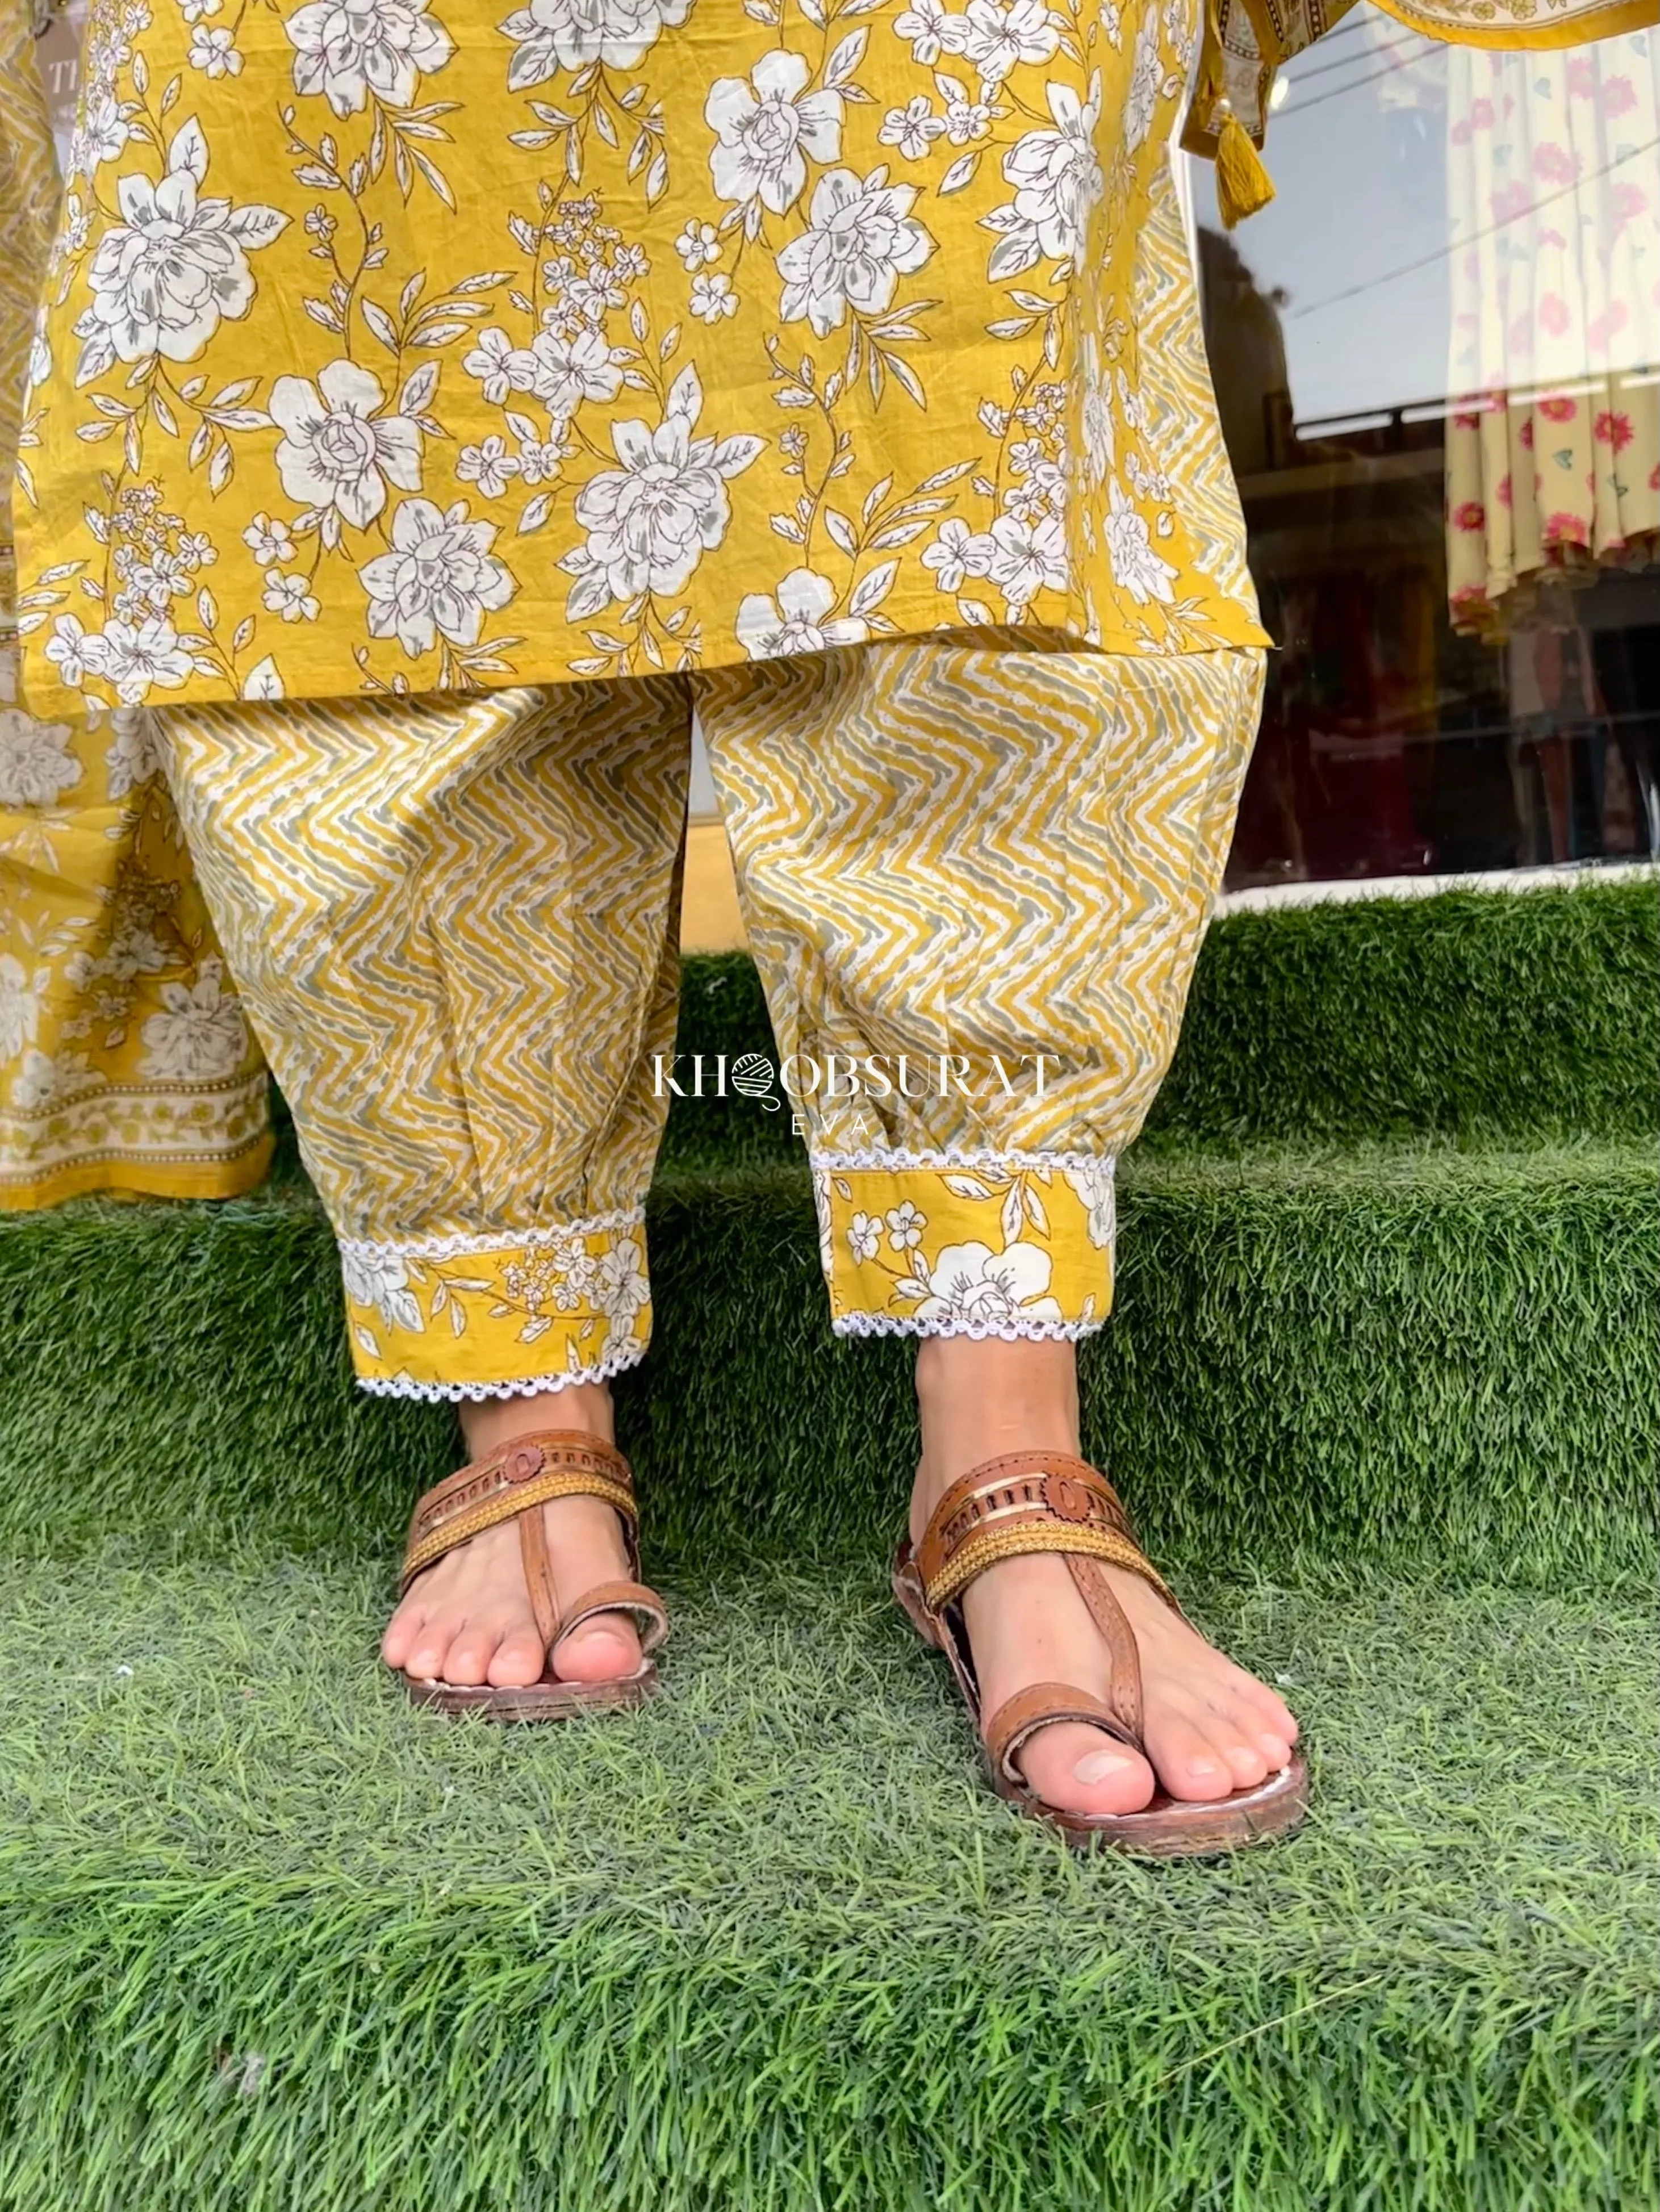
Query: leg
(453, 919)
(992, 855)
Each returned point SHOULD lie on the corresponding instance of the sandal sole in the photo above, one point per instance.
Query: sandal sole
(535, 1701)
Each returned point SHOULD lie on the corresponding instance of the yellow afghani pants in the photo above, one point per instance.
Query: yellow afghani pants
(453, 920)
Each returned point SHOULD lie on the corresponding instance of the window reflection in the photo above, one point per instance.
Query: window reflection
(1436, 359)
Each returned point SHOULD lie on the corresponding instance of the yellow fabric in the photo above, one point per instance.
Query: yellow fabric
(454, 921)
(596, 338)
(124, 1063)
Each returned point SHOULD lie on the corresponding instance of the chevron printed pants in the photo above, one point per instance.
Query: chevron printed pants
(975, 878)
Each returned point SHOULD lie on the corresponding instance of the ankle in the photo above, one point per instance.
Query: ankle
(491, 1423)
(980, 1398)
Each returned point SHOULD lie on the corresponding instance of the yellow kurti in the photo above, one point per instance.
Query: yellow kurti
(420, 344)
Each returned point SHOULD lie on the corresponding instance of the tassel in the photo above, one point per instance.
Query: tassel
(1242, 185)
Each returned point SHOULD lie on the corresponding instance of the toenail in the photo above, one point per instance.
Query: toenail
(1204, 1766)
(1101, 1763)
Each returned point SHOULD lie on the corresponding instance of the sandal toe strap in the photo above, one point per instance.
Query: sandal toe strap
(531, 1470)
(650, 1614)
(1043, 1704)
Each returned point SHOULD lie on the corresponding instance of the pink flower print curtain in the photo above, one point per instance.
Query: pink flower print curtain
(1554, 194)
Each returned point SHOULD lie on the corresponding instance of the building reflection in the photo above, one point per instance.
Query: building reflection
(1458, 567)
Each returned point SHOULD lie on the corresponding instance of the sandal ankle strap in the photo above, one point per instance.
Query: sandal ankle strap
(530, 1471)
(1026, 1501)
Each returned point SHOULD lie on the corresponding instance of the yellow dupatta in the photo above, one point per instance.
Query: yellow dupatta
(125, 1065)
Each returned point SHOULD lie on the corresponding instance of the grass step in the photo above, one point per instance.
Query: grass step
(1475, 1014)
(270, 1938)
(1379, 1355)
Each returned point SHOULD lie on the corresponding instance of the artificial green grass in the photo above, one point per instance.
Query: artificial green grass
(1438, 1360)
(1481, 1015)
(270, 1939)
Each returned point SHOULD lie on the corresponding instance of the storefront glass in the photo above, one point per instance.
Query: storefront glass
(1436, 357)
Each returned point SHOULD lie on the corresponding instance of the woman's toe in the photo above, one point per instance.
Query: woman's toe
(427, 1651)
(518, 1659)
(402, 1630)
(1246, 1763)
(1080, 1770)
(467, 1663)
(1189, 1765)
(603, 1649)
(1269, 1714)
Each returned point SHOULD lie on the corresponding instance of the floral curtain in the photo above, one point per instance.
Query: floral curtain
(1554, 182)
(126, 1064)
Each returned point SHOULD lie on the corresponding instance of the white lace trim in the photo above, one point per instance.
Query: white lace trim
(508, 1240)
(933, 1163)
(883, 1324)
(531, 1386)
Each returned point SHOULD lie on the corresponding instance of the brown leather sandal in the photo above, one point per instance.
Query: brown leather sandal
(514, 1483)
(1051, 1502)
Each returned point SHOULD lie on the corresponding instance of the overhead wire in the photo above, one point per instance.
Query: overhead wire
(1458, 245)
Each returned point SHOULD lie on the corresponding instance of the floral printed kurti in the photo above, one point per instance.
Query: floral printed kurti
(418, 344)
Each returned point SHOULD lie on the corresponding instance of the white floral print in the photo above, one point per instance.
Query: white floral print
(1142, 99)
(132, 657)
(767, 129)
(199, 1035)
(465, 441)
(440, 579)
(906, 1223)
(215, 51)
(1058, 173)
(21, 994)
(175, 264)
(338, 450)
(913, 129)
(713, 298)
(350, 48)
(650, 522)
(931, 31)
(131, 757)
(268, 541)
(37, 766)
(376, 1277)
(103, 133)
(620, 1288)
(1135, 566)
(998, 40)
(1027, 559)
(1096, 1187)
(799, 621)
(570, 34)
(862, 239)
(969, 1285)
(864, 1236)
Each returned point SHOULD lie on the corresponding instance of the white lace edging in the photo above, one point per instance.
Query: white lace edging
(882, 1324)
(933, 1163)
(533, 1386)
(510, 1240)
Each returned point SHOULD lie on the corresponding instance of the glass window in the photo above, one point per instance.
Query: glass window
(1435, 356)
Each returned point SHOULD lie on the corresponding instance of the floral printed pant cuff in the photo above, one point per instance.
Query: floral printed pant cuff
(975, 878)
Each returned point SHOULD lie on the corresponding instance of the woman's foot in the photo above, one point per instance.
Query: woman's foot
(468, 1620)
(1209, 1726)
